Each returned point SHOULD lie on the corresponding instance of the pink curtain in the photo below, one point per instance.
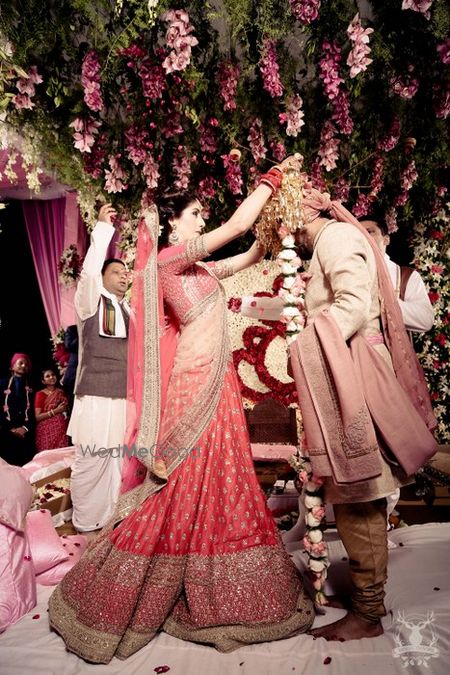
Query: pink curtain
(44, 221)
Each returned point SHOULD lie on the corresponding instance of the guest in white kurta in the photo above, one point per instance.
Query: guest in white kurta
(97, 423)
(417, 310)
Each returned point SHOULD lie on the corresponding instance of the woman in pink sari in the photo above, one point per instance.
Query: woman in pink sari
(196, 552)
(50, 406)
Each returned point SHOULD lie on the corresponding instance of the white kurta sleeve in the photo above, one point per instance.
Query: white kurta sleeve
(343, 253)
(90, 284)
(417, 310)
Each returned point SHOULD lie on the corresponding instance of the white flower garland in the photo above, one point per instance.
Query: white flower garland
(313, 541)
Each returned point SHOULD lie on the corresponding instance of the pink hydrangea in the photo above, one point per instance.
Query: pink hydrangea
(305, 11)
(269, 68)
(358, 57)
(293, 117)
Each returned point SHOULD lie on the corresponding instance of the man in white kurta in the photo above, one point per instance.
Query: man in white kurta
(417, 310)
(97, 423)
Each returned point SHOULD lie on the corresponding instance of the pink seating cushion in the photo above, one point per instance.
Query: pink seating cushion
(74, 545)
(17, 580)
(16, 495)
(46, 548)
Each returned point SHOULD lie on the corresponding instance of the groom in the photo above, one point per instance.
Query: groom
(342, 301)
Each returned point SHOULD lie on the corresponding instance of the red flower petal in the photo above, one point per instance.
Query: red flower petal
(27, 557)
(161, 669)
(36, 616)
(327, 660)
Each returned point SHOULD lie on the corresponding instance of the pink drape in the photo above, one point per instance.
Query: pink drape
(45, 227)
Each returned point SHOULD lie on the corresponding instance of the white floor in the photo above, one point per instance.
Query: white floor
(419, 584)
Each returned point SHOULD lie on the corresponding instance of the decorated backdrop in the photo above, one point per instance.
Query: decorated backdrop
(122, 99)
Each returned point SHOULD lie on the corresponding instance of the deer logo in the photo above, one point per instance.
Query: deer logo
(415, 639)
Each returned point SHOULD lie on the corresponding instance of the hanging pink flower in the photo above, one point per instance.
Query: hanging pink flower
(90, 80)
(208, 136)
(207, 188)
(182, 168)
(256, 141)
(137, 141)
(317, 179)
(153, 79)
(421, 6)
(362, 206)
(444, 51)
(85, 133)
(358, 57)
(341, 190)
(269, 68)
(228, 78)
(305, 11)
(441, 101)
(233, 174)
(179, 39)
(406, 87)
(151, 172)
(26, 88)
(389, 142)
(329, 147)
(390, 218)
(376, 182)
(115, 176)
(341, 113)
(278, 150)
(293, 117)
(329, 69)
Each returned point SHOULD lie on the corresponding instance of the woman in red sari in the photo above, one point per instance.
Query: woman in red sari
(195, 551)
(50, 406)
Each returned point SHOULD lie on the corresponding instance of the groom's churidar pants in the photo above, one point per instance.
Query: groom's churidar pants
(362, 528)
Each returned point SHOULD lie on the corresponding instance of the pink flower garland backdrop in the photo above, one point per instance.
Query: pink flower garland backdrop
(124, 99)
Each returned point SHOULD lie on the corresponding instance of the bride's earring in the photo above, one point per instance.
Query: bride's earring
(173, 236)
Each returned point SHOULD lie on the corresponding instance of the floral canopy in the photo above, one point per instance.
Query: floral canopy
(121, 99)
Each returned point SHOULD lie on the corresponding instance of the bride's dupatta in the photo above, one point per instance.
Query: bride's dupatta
(194, 362)
(151, 348)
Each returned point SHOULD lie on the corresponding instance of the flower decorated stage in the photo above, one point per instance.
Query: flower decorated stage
(418, 588)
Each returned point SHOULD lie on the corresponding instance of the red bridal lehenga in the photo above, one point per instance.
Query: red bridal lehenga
(196, 552)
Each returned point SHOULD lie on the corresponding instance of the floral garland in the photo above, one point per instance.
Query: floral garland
(313, 541)
(69, 266)
(60, 353)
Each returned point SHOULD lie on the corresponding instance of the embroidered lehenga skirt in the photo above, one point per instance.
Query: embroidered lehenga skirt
(199, 556)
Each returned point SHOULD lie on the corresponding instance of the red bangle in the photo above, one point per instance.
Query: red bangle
(273, 179)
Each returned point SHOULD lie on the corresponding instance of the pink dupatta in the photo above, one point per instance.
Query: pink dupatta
(404, 359)
(152, 344)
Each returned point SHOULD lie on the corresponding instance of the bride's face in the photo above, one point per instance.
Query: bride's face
(190, 223)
